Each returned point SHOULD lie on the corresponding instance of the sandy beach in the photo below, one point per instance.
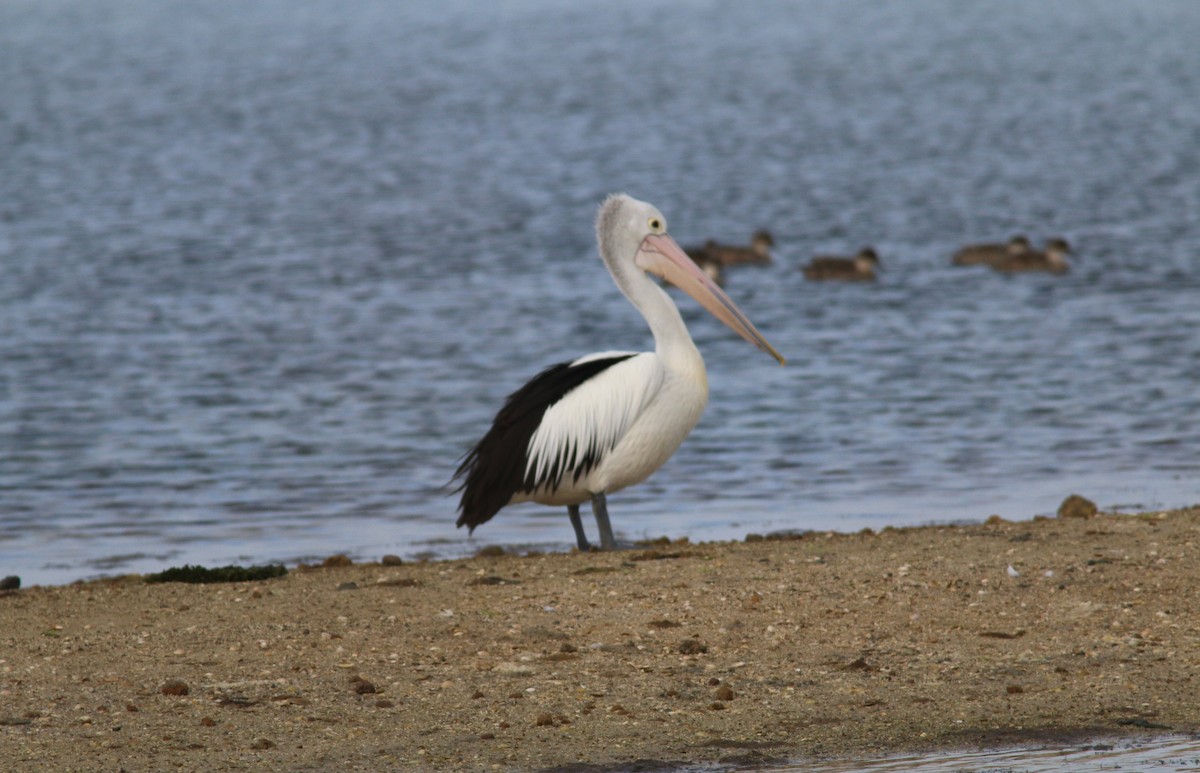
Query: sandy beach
(826, 645)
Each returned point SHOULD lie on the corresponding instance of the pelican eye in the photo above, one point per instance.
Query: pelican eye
(656, 225)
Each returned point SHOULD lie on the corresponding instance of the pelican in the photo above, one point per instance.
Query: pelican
(1053, 259)
(987, 254)
(860, 268)
(707, 262)
(583, 429)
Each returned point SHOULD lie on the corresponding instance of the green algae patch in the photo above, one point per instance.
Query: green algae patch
(200, 574)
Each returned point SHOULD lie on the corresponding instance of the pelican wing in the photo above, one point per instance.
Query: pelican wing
(521, 441)
(579, 430)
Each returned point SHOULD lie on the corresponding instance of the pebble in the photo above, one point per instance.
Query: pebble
(398, 582)
(348, 585)
(362, 686)
(692, 647)
(263, 743)
(174, 687)
(725, 693)
(1076, 506)
(544, 720)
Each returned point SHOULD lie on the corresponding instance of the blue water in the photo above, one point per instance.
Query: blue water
(268, 269)
(1171, 754)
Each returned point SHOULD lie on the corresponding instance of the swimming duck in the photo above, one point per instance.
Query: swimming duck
(987, 254)
(860, 268)
(1053, 259)
(759, 250)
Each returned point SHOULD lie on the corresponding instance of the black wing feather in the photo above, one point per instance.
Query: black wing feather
(494, 470)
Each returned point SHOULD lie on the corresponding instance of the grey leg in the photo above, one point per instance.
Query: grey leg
(580, 537)
(600, 510)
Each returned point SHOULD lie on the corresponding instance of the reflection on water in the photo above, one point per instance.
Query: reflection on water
(268, 269)
(1167, 754)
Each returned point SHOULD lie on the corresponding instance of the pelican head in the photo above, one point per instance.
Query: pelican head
(633, 238)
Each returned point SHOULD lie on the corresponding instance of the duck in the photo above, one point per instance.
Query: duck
(860, 268)
(986, 254)
(759, 251)
(1052, 259)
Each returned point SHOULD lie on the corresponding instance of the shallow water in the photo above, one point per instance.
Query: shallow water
(1166, 754)
(269, 269)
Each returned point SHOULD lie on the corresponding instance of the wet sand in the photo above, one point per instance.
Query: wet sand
(823, 646)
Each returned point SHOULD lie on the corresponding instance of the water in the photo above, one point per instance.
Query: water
(1172, 754)
(269, 269)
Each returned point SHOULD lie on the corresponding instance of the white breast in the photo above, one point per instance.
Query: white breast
(657, 434)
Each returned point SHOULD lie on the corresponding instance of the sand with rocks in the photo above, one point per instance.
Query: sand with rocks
(826, 645)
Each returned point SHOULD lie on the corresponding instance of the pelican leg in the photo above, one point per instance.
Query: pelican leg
(600, 510)
(576, 523)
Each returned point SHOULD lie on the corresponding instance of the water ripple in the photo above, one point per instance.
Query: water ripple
(269, 270)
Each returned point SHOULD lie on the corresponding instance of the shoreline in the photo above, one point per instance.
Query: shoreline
(816, 646)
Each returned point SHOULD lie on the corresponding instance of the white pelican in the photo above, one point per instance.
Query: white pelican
(583, 429)
(860, 268)
(713, 268)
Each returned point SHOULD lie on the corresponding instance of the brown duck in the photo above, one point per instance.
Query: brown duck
(860, 268)
(759, 251)
(987, 254)
(1052, 260)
